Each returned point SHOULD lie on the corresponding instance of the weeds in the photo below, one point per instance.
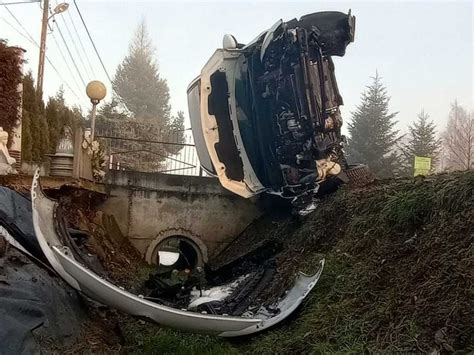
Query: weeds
(398, 276)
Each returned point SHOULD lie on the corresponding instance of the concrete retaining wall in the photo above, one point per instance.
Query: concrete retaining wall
(148, 206)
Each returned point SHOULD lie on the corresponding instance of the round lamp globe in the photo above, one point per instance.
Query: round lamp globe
(96, 90)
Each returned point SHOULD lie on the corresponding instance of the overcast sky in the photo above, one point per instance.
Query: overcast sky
(423, 50)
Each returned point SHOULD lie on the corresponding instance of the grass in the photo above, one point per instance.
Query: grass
(398, 272)
(150, 339)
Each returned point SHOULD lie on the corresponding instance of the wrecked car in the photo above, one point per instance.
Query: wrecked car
(265, 116)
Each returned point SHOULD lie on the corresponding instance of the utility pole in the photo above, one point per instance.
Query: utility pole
(42, 54)
(44, 31)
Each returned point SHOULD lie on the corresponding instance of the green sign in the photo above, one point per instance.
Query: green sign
(422, 166)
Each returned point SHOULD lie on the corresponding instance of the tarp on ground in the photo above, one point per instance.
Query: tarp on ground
(16, 218)
(34, 306)
(34, 303)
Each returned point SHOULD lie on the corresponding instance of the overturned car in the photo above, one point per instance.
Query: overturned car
(265, 116)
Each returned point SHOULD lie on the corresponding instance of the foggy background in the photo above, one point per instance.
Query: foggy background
(422, 50)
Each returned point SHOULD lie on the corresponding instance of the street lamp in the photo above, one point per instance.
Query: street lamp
(96, 91)
(44, 27)
(59, 8)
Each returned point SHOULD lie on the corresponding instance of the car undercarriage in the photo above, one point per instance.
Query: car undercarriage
(296, 101)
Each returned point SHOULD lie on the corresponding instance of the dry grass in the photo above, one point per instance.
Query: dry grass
(399, 274)
(398, 277)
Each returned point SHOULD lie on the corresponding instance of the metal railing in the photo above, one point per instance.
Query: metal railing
(173, 153)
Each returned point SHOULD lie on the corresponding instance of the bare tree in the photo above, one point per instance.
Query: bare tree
(458, 139)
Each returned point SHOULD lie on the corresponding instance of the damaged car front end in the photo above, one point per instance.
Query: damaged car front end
(265, 116)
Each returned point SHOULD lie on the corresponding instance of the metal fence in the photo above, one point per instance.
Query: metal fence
(175, 153)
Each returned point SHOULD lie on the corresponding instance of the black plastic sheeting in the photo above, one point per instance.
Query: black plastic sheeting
(16, 218)
(35, 306)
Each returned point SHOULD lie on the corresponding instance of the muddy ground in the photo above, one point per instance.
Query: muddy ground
(398, 275)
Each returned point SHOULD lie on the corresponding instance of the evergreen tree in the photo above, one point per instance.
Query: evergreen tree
(10, 78)
(26, 140)
(42, 127)
(59, 115)
(138, 83)
(422, 141)
(32, 106)
(372, 136)
(44, 137)
(54, 122)
(111, 110)
(175, 131)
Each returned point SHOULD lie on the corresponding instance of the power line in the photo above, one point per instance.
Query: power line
(70, 54)
(80, 42)
(75, 47)
(93, 44)
(19, 2)
(98, 55)
(65, 61)
(32, 40)
(19, 23)
(62, 79)
(17, 31)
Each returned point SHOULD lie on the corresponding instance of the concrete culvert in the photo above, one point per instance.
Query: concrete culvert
(178, 252)
(178, 249)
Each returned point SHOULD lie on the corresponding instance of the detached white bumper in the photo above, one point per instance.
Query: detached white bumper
(84, 280)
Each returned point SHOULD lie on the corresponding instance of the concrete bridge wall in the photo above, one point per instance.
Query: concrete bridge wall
(150, 207)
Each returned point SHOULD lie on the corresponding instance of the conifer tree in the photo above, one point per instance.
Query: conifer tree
(26, 140)
(138, 83)
(139, 86)
(32, 108)
(52, 114)
(10, 78)
(422, 141)
(372, 133)
(44, 137)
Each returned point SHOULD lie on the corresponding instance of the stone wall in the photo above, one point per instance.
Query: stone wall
(151, 206)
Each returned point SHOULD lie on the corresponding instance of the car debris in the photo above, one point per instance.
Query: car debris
(265, 116)
(56, 246)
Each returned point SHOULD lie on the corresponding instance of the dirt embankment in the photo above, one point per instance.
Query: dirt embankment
(398, 275)
(399, 270)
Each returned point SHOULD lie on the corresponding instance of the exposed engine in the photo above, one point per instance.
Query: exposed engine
(295, 84)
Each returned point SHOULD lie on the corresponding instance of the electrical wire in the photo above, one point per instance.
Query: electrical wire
(19, 23)
(81, 44)
(75, 47)
(62, 79)
(93, 44)
(32, 40)
(70, 54)
(122, 104)
(19, 2)
(17, 31)
(65, 61)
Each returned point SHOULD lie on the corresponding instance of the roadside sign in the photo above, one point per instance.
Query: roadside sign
(422, 166)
